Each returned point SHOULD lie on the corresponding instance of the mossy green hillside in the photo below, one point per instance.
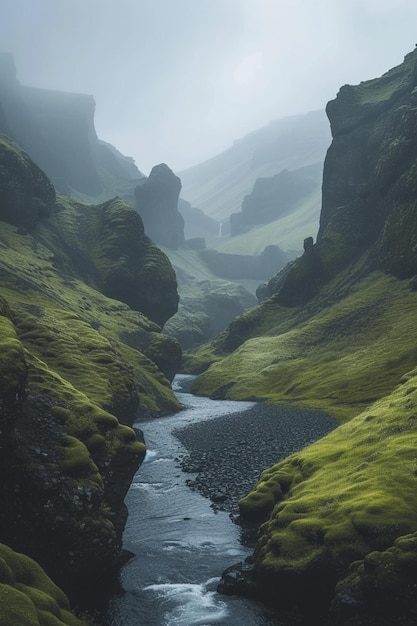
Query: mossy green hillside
(28, 597)
(75, 329)
(12, 363)
(67, 465)
(82, 418)
(339, 359)
(341, 498)
(106, 246)
(382, 89)
(75, 365)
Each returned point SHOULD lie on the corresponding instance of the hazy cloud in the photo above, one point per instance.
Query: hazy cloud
(177, 81)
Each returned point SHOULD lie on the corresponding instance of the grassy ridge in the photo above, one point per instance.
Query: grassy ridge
(340, 360)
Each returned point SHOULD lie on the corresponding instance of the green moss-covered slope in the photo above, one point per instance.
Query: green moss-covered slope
(28, 597)
(347, 495)
(76, 368)
(340, 359)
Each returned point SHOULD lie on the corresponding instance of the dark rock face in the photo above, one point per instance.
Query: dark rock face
(157, 204)
(52, 501)
(275, 197)
(370, 170)
(369, 186)
(299, 281)
(25, 192)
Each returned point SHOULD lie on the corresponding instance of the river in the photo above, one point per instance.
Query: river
(180, 544)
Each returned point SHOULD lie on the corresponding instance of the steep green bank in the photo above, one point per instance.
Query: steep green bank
(76, 368)
(28, 597)
(337, 333)
(340, 499)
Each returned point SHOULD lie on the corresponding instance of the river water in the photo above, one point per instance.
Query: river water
(181, 545)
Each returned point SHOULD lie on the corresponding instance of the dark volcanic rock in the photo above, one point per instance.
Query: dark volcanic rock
(300, 280)
(370, 170)
(60, 503)
(230, 452)
(157, 204)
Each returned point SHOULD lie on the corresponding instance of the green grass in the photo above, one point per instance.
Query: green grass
(350, 493)
(28, 597)
(74, 329)
(66, 363)
(339, 360)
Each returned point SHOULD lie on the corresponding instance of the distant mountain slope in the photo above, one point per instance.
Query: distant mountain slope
(219, 185)
(56, 129)
(288, 232)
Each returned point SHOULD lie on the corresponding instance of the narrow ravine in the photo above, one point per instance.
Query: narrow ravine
(180, 542)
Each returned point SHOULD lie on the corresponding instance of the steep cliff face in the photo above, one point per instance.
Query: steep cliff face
(369, 183)
(336, 334)
(56, 129)
(76, 368)
(157, 204)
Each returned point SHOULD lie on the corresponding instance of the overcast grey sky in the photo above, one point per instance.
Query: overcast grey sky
(176, 81)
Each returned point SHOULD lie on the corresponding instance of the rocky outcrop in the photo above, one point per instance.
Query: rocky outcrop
(157, 204)
(132, 268)
(380, 589)
(301, 279)
(368, 186)
(206, 308)
(369, 174)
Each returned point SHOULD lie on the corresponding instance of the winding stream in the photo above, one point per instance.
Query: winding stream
(180, 544)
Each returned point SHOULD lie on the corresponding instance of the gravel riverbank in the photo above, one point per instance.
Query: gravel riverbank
(227, 454)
